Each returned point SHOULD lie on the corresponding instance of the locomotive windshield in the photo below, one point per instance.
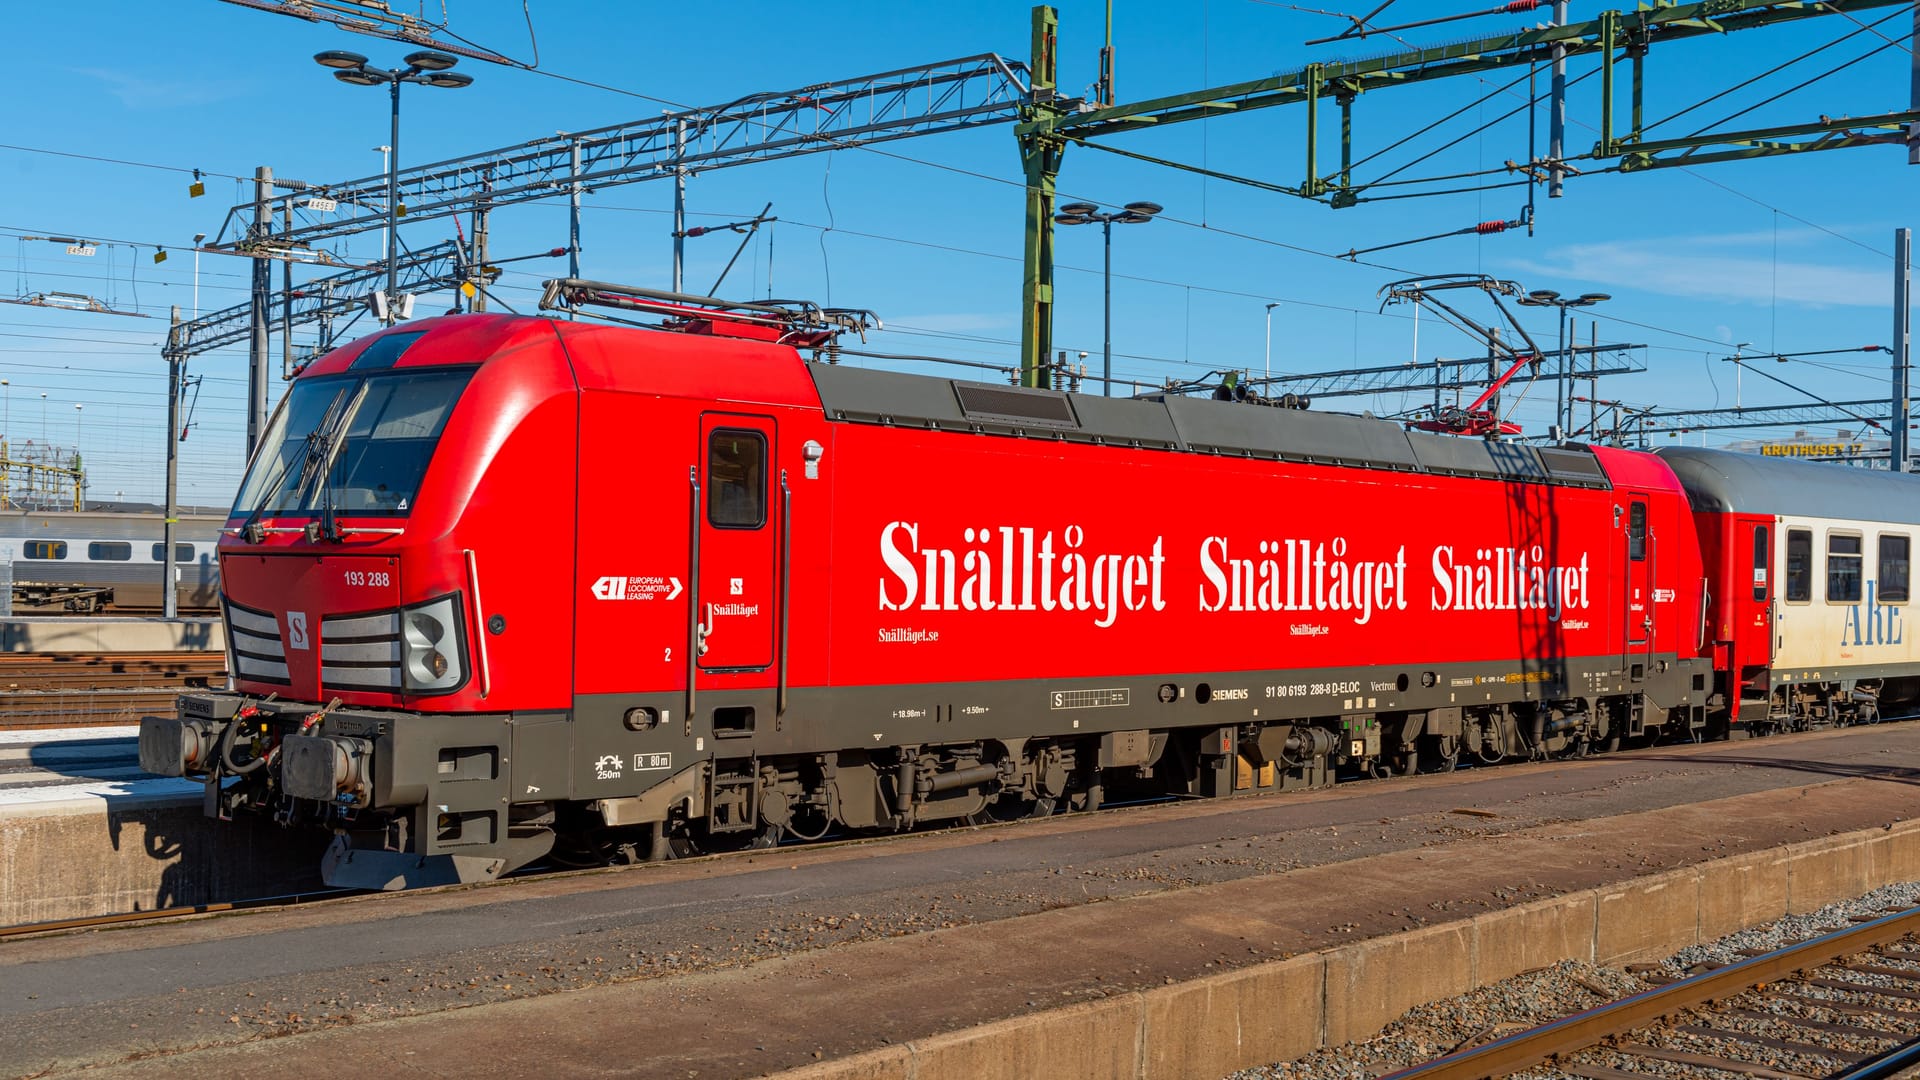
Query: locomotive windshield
(357, 443)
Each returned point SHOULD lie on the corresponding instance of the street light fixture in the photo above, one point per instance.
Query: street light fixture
(1562, 403)
(1086, 213)
(426, 67)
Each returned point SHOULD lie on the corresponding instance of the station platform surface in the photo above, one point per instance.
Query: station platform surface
(1183, 939)
(109, 634)
(63, 770)
(85, 831)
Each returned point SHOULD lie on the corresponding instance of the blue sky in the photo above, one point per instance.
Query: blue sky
(1789, 255)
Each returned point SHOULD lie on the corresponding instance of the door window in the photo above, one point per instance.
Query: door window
(1799, 566)
(1760, 553)
(736, 479)
(1637, 532)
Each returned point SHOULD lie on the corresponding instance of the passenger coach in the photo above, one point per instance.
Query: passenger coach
(1809, 608)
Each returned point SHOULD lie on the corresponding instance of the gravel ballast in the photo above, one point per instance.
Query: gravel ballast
(1535, 997)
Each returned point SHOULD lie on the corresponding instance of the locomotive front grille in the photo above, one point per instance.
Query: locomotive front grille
(258, 653)
(361, 652)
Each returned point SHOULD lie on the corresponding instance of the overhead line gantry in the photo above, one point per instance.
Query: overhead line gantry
(1049, 124)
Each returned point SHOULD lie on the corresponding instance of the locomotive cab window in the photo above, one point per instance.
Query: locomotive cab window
(357, 443)
(1895, 567)
(1760, 553)
(1843, 568)
(45, 549)
(1637, 532)
(1799, 566)
(109, 551)
(736, 479)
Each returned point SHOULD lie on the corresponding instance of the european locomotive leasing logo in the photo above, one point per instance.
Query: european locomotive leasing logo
(638, 587)
(1009, 568)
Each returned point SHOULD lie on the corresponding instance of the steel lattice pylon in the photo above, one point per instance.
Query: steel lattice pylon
(947, 96)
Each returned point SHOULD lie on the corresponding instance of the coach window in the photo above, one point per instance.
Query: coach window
(736, 479)
(110, 551)
(45, 549)
(1760, 552)
(1637, 532)
(181, 553)
(1891, 585)
(1799, 566)
(1843, 568)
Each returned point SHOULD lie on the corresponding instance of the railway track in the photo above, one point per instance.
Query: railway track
(1846, 1004)
(43, 690)
(124, 918)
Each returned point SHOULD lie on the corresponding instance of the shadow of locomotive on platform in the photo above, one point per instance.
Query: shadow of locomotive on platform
(173, 856)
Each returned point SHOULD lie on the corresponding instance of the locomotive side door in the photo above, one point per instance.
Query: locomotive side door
(1639, 592)
(735, 585)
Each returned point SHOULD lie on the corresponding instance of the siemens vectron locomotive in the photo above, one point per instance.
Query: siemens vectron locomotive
(496, 581)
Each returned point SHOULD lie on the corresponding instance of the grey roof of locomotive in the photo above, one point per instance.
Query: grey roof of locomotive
(1720, 481)
(1186, 424)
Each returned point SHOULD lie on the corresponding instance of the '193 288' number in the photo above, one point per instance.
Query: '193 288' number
(375, 578)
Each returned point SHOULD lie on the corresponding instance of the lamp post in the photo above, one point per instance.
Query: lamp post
(1268, 355)
(79, 481)
(1739, 355)
(386, 165)
(44, 441)
(197, 238)
(1085, 213)
(425, 67)
(1562, 407)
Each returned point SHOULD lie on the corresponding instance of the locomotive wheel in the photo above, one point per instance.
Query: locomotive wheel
(1444, 755)
(584, 851)
(1012, 806)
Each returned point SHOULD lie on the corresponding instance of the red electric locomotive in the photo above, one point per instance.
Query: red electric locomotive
(493, 579)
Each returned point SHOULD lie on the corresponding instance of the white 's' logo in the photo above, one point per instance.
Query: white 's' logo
(297, 630)
(739, 585)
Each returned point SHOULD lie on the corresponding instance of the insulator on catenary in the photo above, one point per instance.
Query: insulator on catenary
(1487, 227)
(1522, 5)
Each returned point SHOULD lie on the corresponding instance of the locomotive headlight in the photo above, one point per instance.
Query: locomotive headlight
(430, 645)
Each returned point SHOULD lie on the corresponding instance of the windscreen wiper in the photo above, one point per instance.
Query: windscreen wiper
(328, 448)
(251, 529)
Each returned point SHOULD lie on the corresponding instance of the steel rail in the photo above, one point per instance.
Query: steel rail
(1583, 1030)
(91, 922)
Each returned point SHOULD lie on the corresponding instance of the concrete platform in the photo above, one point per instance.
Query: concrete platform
(1173, 940)
(71, 749)
(84, 831)
(108, 634)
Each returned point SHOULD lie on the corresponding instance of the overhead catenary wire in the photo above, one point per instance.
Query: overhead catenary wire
(1774, 70)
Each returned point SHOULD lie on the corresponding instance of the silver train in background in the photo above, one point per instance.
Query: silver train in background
(95, 561)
